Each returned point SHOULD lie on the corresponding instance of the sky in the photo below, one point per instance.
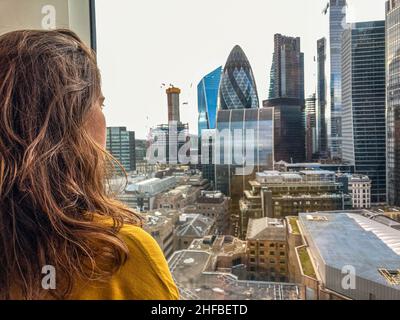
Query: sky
(142, 44)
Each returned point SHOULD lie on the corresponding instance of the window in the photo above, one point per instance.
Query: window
(391, 276)
(145, 50)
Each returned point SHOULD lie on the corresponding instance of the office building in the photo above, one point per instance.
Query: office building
(287, 71)
(267, 250)
(323, 100)
(349, 255)
(328, 166)
(289, 129)
(240, 156)
(160, 224)
(177, 198)
(276, 194)
(192, 226)
(360, 190)
(121, 144)
(286, 96)
(207, 99)
(363, 103)
(211, 269)
(214, 205)
(140, 195)
(238, 88)
(337, 24)
(393, 101)
(311, 127)
(207, 143)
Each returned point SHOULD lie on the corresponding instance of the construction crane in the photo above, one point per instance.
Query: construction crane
(325, 10)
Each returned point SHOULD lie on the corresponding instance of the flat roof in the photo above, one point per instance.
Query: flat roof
(188, 268)
(349, 238)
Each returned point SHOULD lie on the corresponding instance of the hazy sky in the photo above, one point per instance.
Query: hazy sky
(142, 44)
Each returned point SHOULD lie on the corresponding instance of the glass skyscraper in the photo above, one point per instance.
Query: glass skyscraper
(289, 129)
(337, 24)
(363, 86)
(238, 88)
(393, 101)
(248, 149)
(207, 98)
(286, 95)
(311, 127)
(121, 144)
(322, 98)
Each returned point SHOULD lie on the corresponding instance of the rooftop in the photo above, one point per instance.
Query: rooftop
(195, 225)
(222, 245)
(188, 268)
(351, 238)
(266, 229)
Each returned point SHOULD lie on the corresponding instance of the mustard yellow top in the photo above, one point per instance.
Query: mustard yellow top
(144, 276)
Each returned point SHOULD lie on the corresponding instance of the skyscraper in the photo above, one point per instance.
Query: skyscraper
(393, 101)
(207, 97)
(337, 24)
(311, 127)
(289, 129)
(363, 89)
(121, 144)
(287, 71)
(244, 146)
(322, 98)
(249, 144)
(238, 88)
(286, 95)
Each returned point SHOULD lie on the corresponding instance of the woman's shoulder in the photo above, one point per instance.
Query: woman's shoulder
(147, 262)
(145, 274)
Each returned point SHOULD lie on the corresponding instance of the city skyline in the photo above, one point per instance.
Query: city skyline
(128, 82)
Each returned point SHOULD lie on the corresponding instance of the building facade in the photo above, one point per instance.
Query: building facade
(337, 24)
(289, 129)
(322, 97)
(207, 100)
(311, 127)
(276, 194)
(247, 151)
(363, 102)
(287, 71)
(360, 190)
(348, 242)
(267, 250)
(214, 205)
(244, 147)
(121, 144)
(238, 88)
(393, 101)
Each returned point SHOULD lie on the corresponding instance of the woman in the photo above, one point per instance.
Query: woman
(61, 235)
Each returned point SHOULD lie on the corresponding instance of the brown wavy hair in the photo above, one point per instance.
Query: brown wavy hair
(52, 173)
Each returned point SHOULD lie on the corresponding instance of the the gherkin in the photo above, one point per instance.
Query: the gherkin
(238, 88)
